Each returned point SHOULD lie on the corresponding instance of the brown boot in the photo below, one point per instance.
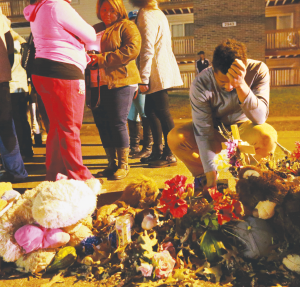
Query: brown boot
(123, 167)
(112, 163)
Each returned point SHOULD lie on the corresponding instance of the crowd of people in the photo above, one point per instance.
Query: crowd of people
(125, 65)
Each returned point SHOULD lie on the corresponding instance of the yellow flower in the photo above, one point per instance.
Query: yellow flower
(222, 161)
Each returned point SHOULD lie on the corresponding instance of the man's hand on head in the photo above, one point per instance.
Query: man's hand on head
(236, 73)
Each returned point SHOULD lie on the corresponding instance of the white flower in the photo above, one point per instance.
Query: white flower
(221, 161)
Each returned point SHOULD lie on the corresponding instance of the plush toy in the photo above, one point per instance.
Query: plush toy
(139, 194)
(267, 195)
(44, 218)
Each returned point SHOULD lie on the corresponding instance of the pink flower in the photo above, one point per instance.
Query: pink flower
(165, 264)
(179, 208)
(231, 147)
(296, 153)
(146, 269)
(169, 247)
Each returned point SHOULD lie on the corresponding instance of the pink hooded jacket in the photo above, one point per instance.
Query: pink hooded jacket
(57, 28)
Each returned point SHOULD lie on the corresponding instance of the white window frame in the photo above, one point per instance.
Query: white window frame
(277, 15)
(180, 23)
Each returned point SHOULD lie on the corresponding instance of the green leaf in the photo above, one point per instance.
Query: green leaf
(206, 221)
(63, 259)
(211, 246)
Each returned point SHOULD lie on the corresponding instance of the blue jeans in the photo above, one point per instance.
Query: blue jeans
(9, 146)
(137, 108)
(111, 115)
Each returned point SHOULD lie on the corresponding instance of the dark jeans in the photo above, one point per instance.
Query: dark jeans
(158, 113)
(19, 110)
(9, 146)
(111, 115)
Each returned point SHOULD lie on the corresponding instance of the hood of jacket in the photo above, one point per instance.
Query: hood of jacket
(31, 10)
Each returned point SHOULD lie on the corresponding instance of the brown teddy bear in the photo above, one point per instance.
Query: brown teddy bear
(267, 195)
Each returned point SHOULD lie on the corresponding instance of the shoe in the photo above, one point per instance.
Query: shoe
(157, 151)
(38, 140)
(7, 177)
(134, 136)
(27, 154)
(147, 140)
(112, 163)
(165, 160)
(123, 167)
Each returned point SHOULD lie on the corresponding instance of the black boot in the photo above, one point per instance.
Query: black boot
(147, 140)
(112, 163)
(167, 159)
(38, 140)
(156, 154)
(134, 135)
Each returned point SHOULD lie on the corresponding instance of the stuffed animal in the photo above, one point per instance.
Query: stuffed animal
(45, 218)
(139, 194)
(267, 195)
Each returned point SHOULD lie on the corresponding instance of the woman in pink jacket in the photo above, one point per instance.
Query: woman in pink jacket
(58, 76)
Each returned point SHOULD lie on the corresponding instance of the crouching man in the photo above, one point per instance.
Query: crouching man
(235, 90)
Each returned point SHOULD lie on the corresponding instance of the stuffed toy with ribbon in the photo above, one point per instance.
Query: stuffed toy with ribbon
(31, 237)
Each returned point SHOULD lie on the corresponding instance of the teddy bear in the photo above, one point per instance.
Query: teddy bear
(139, 194)
(272, 196)
(59, 212)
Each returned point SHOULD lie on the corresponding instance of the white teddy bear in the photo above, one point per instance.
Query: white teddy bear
(64, 204)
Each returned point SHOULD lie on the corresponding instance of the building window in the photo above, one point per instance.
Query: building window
(181, 30)
(279, 22)
(177, 30)
(189, 29)
(13, 8)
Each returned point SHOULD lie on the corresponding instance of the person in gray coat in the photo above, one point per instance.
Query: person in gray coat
(159, 71)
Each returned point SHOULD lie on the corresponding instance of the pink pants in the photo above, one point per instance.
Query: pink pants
(64, 103)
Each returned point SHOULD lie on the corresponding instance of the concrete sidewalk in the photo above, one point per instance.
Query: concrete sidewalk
(94, 158)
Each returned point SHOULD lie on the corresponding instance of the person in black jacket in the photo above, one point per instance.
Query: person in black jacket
(202, 63)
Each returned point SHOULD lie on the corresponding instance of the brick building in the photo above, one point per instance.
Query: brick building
(270, 29)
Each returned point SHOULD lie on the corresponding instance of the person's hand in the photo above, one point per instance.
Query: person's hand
(211, 178)
(144, 88)
(236, 73)
(93, 64)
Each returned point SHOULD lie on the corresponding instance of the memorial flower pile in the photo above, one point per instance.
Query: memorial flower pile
(187, 237)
